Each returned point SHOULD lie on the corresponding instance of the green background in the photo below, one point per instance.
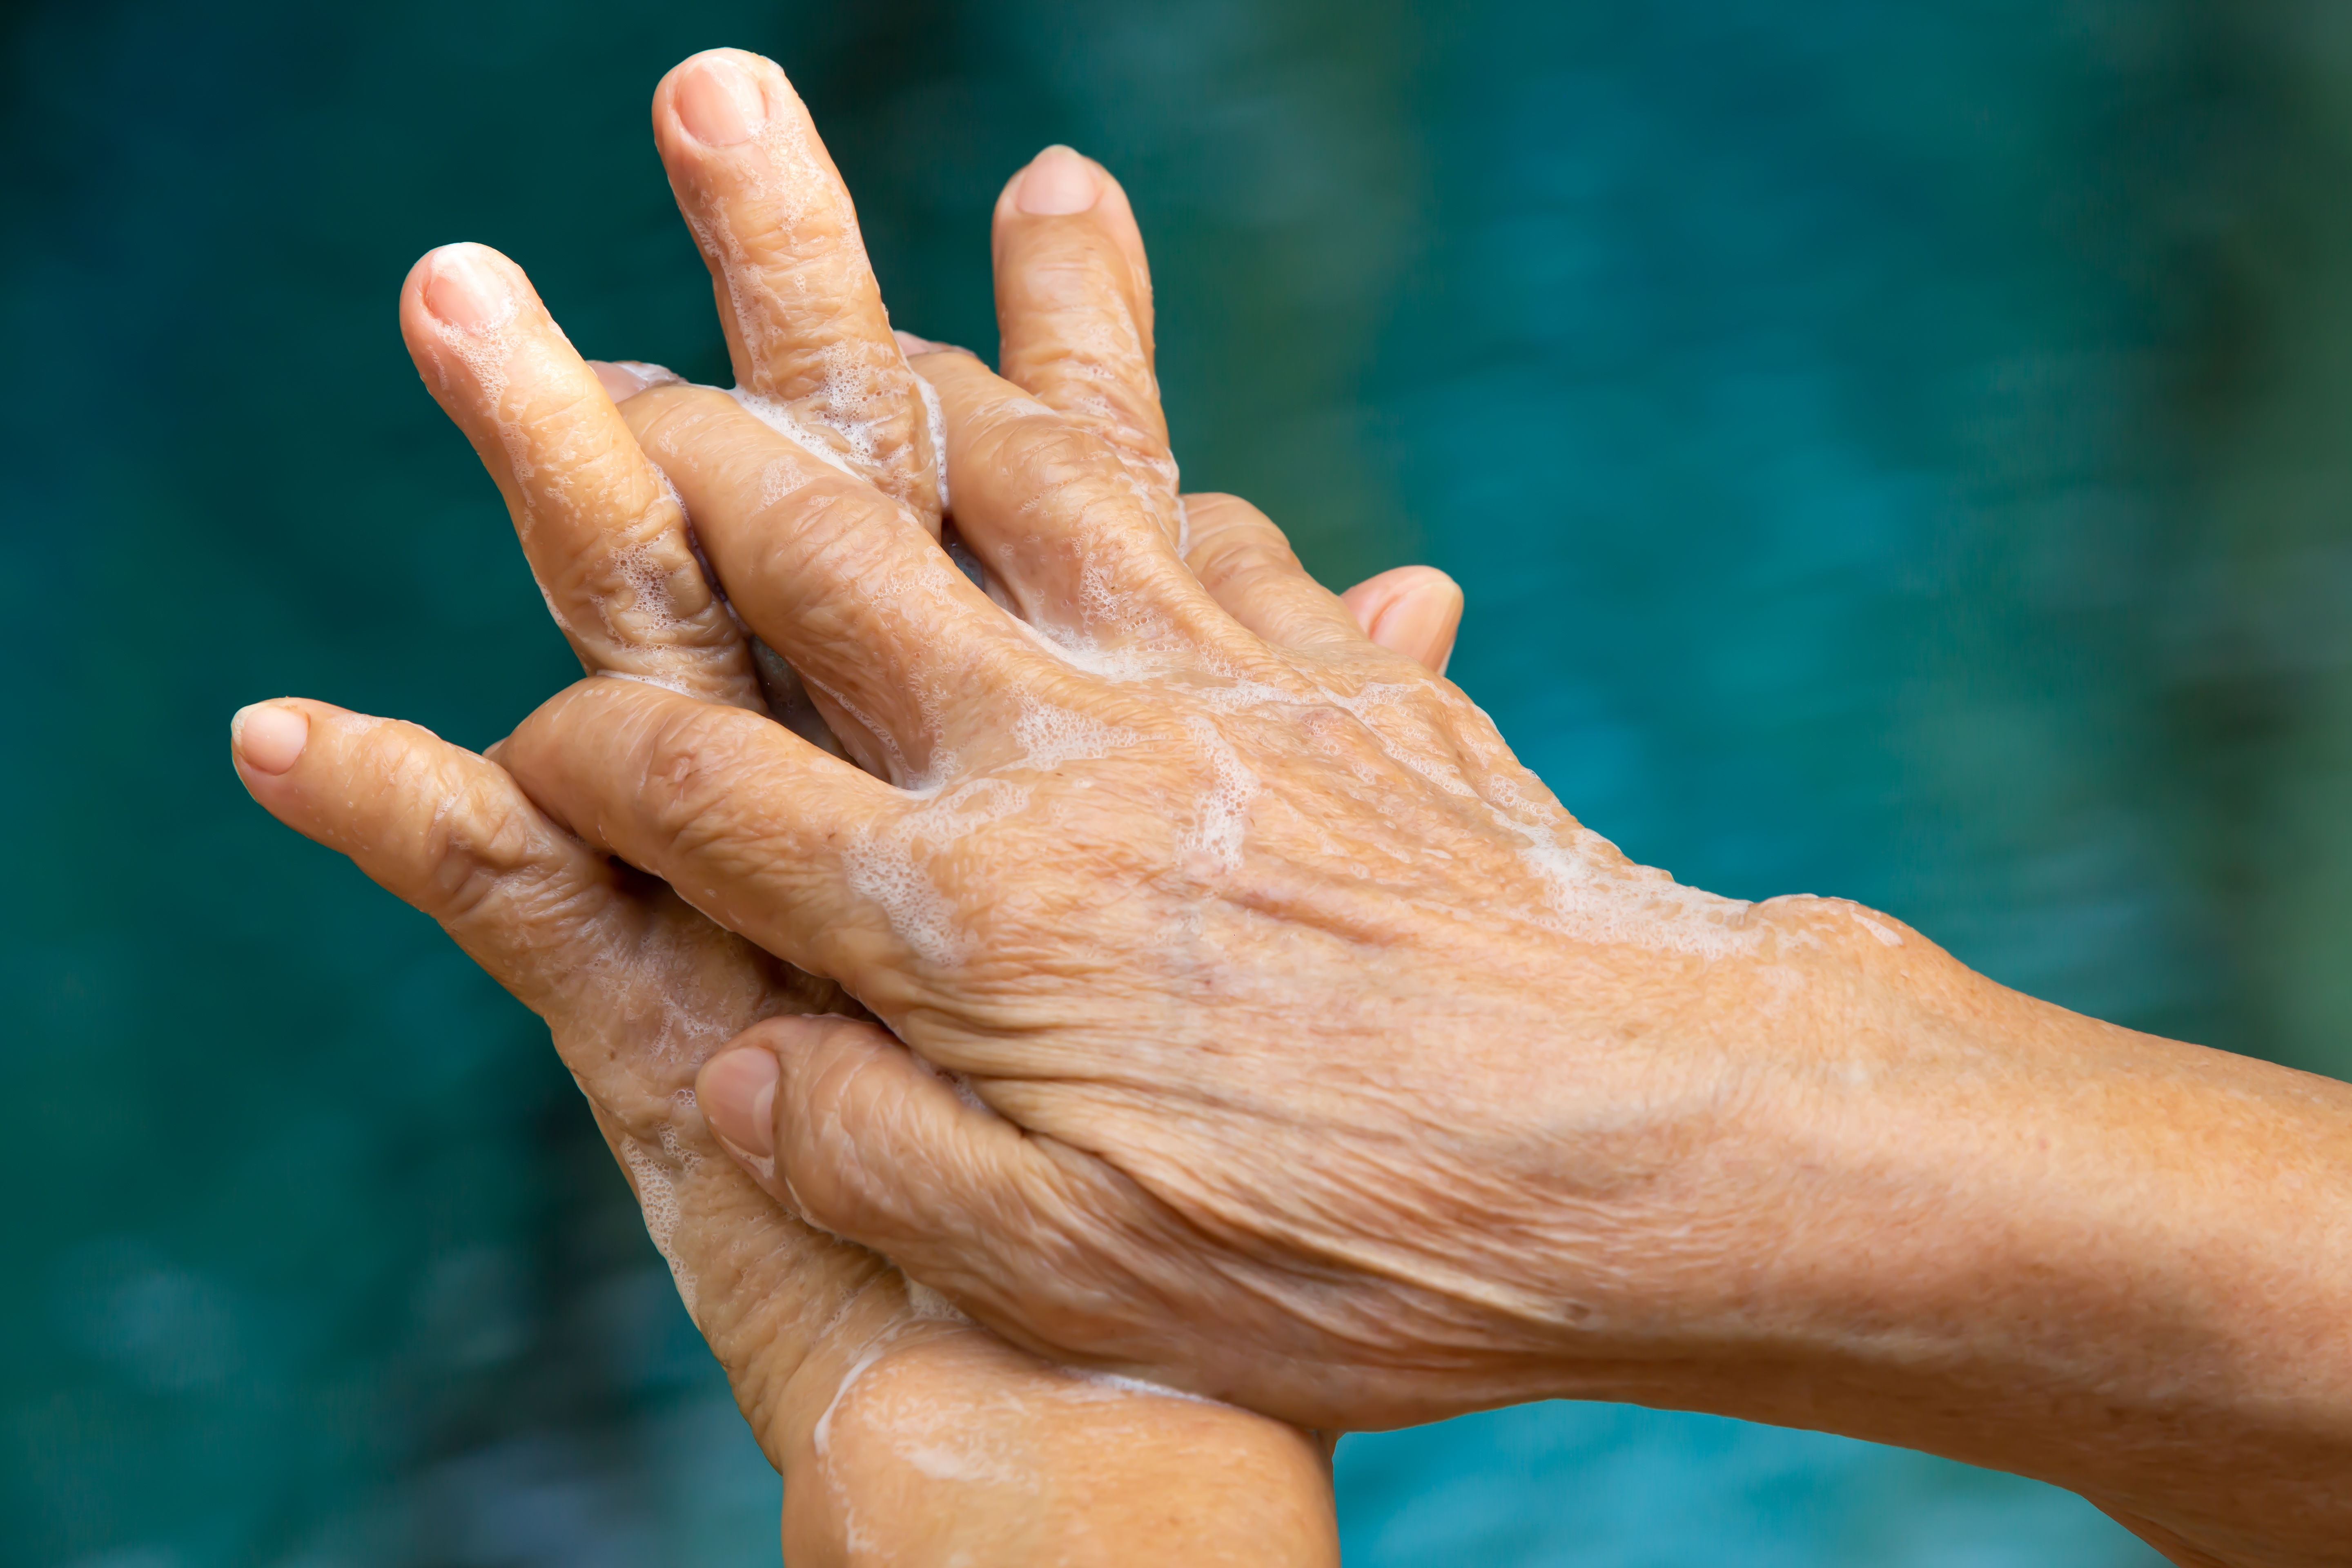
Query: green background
(1890, 450)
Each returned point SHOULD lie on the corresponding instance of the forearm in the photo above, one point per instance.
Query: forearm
(1984, 1226)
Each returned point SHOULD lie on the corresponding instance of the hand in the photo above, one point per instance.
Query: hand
(1301, 1049)
(903, 1430)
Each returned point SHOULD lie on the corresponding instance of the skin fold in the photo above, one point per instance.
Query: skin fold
(1231, 1008)
(906, 1432)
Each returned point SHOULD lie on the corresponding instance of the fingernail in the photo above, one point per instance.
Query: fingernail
(737, 1091)
(467, 290)
(718, 102)
(623, 379)
(269, 739)
(1058, 182)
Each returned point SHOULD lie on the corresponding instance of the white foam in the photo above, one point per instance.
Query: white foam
(820, 1437)
(645, 678)
(1129, 1385)
(928, 1306)
(1050, 736)
(1596, 894)
(1883, 933)
(890, 866)
(1221, 820)
(856, 405)
(779, 417)
(938, 417)
(657, 1199)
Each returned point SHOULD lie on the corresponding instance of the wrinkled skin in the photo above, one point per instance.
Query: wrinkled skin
(906, 1432)
(1260, 952)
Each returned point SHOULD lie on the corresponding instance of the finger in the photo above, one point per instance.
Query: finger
(1412, 610)
(864, 605)
(443, 830)
(804, 316)
(604, 536)
(1074, 313)
(1247, 567)
(751, 825)
(1054, 515)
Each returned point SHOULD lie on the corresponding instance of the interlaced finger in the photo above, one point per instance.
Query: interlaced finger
(1055, 517)
(863, 604)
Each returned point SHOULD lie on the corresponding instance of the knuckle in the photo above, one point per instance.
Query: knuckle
(676, 418)
(551, 411)
(828, 531)
(1244, 553)
(691, 758)
(478, 843)
(1040, 454)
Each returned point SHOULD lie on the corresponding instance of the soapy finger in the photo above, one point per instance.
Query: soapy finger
(804, 316)
(1074, 314)
(604, 534)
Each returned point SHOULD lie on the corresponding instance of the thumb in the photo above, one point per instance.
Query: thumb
(1051, 1246)
(845, 1126)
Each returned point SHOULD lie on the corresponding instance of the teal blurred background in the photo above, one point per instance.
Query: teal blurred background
(1892, 450)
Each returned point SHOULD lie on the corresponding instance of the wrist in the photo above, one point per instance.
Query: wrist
(1920, 1208)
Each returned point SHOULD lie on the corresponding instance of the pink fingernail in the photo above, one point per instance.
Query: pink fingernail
(718, 102)
(467, 290)
(270, 739)
(910, 345)
(1058, 182)
(737, 1091)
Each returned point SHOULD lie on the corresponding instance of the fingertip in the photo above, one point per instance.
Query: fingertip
(1430, 591)
(458, 306)
(468, 287)
(717, 96)
(1058, 182)
(268, 737)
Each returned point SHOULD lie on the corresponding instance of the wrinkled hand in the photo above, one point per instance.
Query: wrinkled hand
(1298, 1039)
(903, 1430)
